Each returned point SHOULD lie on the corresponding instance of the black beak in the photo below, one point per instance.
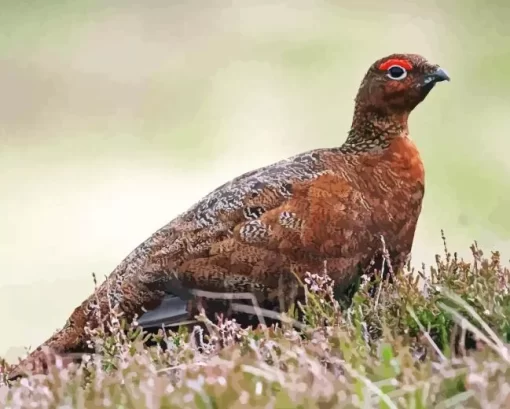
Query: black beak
(437, 76)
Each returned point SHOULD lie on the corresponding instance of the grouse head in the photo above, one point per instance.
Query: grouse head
(396, 84)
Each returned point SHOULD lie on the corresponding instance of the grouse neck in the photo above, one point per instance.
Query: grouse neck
(374, 131)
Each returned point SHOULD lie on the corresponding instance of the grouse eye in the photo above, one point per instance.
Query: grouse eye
(396, 72)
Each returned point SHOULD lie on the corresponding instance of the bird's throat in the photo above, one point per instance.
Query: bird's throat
(374, 131)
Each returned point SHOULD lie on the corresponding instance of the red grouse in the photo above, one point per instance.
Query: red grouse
(252, 233)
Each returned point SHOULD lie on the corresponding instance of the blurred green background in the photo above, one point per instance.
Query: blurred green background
(115, 116)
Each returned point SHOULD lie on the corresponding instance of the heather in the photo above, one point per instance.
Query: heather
(430, 339)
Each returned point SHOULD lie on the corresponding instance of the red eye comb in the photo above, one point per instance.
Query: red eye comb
(394, 61)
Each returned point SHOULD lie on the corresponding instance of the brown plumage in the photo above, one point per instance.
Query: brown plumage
(251, 233)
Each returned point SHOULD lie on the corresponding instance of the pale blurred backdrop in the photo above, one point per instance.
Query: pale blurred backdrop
(117, 116)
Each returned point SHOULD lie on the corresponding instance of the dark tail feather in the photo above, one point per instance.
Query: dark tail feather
(172, 310)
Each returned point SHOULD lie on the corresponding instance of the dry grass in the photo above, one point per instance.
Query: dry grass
(426, 341)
